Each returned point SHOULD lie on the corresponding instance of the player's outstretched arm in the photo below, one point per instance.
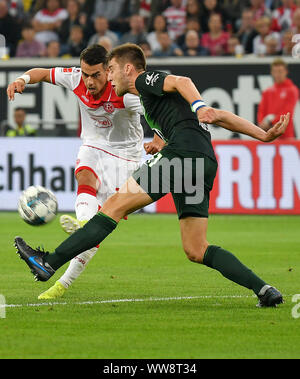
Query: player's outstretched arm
(35, 75)
(225, 119)
(229, 120)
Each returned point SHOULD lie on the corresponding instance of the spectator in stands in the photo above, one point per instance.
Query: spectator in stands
(145, 46)
(74, 18)
(159, 25)
(117, 12)
(192, 23)
(16, 10)
(106, 42)
(53, 49)
(48, 20)
(209, 7)
(247, 32)
(157, 7)
(278, 99)
(263, 28)
(29, 47)
(111, 10)
(192, 9)
(296, 21)
(287, 44)
(272, 4)
(215, 41)
(176, 19)
(87, 7)
(282, 17)
(137, 32)
(102, 30)
(273, 44)
(141, 7)
(234, 47)
(167, 47)
(9, 28)
(259, 9)
(76, 41)
(192, 47)
(233, 10)
(20, 127)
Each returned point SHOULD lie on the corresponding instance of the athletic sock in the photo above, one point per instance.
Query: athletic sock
(230, 267)
(76, 267)
(93, 232)
(86, 204)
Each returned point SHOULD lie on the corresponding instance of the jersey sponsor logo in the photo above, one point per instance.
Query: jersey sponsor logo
(108, 107)
(151, 79)
(77, 162)
(102, 122)
(67, 70)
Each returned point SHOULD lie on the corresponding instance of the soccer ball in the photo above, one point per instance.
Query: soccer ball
(37, 205)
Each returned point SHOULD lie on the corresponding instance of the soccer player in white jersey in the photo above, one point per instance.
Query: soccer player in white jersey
(112, 142)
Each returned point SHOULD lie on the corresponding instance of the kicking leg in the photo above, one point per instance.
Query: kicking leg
(129, 198)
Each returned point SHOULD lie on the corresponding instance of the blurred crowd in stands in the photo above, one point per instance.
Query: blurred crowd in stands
(163, 28)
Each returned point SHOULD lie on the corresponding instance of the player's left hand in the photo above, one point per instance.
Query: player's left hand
(278, 129)
(153, 147)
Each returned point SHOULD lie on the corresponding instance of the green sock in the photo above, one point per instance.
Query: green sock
(93, 232)
(230, 267)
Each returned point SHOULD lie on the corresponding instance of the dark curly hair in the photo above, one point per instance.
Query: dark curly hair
(94, 54)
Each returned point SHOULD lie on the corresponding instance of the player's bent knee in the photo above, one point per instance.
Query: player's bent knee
(196, 255)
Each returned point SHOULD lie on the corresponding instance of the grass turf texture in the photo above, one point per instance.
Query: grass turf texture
(144, 259)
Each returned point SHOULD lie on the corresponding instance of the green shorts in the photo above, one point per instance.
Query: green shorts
(189, 176)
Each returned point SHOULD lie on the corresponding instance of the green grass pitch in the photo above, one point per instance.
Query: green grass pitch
(175, 308)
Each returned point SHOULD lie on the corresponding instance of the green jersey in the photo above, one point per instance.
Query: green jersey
(171, 116)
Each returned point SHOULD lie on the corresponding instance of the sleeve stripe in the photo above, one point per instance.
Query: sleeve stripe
(52, 75)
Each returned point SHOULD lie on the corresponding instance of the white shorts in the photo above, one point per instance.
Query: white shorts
(110, 170)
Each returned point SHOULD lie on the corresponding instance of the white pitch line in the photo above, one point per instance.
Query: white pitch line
(109, 301)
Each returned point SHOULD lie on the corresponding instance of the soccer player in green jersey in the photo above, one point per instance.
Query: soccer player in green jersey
(186, 166)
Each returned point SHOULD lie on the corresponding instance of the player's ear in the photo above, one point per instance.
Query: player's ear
(128, 68)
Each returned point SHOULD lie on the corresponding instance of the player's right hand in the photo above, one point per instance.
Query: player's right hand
(16, 86)
(208, 115)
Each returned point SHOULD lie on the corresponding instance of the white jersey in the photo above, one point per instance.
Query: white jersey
(44, 16)
(111, 123)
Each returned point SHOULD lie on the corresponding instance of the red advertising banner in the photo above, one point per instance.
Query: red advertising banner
(253, 178)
